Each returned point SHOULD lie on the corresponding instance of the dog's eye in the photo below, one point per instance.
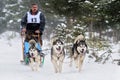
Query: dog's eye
(84, 46)
(33, 49)
(59, 42)
(81, 45)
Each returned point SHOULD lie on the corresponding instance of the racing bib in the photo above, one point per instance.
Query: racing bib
(33, 18)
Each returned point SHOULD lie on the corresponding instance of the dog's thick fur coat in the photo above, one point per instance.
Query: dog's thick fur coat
(57, 55)
(78, 51)
(34, 57)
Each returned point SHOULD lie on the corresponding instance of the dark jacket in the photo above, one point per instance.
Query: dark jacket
(33, 26)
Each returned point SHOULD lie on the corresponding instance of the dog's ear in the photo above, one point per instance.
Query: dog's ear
(77, 41)
(61, 42)
(54, 42)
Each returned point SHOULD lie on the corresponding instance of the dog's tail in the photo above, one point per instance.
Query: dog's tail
(79, 37)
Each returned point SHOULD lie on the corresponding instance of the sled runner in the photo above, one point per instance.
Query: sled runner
(27, 46)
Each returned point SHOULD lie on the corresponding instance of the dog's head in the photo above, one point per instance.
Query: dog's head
(32, 43)
(33, 50)
(58, 45)
(81, 46)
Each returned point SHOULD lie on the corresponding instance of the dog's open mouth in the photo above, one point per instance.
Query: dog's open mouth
(59, 48)
(32, 55)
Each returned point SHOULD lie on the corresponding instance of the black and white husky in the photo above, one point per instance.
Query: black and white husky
(57, 55)
(34, 57)
(78, 51)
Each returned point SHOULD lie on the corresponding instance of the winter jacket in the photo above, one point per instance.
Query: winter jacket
(37, 23)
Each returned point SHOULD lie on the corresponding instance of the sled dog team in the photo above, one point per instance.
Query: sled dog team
(58, 54)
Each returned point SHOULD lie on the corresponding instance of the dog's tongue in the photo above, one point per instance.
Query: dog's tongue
(82, 50)
(58, 48)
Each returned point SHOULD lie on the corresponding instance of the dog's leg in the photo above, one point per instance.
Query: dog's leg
(81, 62)
(60, 64)
(37, 60)
(31, 64)
(76, 61)
(72, 56)
(71, 60)
(54, 61)
(55, 66)
(76, 57)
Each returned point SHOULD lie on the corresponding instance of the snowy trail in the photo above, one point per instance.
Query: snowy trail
(12, 69)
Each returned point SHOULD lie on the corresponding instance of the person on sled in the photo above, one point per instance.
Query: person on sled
(33, 21)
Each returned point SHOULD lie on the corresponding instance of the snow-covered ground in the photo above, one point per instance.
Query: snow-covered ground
(12, 69)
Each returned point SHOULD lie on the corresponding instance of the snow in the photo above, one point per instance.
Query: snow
(12, 69)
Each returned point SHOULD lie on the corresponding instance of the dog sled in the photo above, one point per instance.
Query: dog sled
(25, 59)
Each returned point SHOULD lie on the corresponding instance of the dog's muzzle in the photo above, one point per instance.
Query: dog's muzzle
(32, 55)
(59, 48)
(82, 51)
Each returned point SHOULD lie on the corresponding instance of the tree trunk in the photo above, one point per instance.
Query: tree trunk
(91, 30)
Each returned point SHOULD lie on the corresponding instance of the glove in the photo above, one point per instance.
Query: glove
(23, 30)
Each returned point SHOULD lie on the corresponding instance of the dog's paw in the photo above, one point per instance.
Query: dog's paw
(56, 71)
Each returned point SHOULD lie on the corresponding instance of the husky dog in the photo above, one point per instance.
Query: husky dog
(34, 57)
(78, 51)
(57, 55)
